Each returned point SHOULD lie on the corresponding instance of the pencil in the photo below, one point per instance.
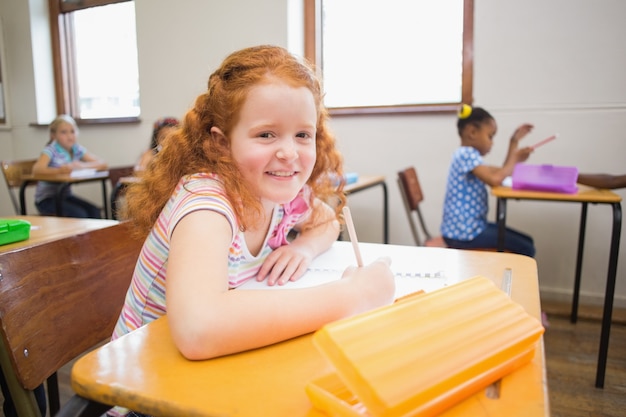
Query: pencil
(543, 142)
(352, 234)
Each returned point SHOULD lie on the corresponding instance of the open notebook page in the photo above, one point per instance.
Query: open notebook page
(427, 269)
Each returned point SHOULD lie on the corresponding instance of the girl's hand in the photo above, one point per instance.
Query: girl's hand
(522, 154)
(375, 281)
(521, 131)
(65, 169)
(286, 263)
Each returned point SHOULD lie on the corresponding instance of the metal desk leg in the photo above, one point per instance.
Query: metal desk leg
(79, 406)
(579, 262)
(609, 294)
(104, 198)
(501, 220)
(385, 213)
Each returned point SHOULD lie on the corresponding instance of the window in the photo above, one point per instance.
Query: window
(95, 55)
(391, 56)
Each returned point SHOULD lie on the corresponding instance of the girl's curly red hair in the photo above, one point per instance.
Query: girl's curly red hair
(191, 148)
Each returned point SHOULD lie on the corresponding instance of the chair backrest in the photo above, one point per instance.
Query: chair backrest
(412, 196)
(116, 173)
(13, 171)
(59, 299)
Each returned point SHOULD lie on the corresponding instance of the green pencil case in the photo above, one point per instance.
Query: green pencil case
(13, 230)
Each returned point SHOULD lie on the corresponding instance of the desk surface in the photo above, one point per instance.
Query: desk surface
(584, 194)
(145, 372)
(67, 178)
(45, 228)
(364, 181)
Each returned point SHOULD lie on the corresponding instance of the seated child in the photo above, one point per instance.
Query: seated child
(62, 155)
(466, 204)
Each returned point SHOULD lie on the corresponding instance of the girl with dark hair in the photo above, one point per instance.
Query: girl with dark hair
(466, 203)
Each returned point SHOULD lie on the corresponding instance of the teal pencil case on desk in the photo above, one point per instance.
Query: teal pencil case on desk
(13, 230)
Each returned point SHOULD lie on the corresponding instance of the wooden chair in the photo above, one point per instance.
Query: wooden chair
(13, 171)
(412, 196)
(117, 188)
(58, 300)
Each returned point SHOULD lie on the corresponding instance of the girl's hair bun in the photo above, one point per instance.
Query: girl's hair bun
(465, 111)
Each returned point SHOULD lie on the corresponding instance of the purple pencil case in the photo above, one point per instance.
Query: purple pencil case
(551, 178)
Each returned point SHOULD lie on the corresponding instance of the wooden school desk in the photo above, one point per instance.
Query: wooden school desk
(145, 372)
(584, 196)
(368, 181)
(65, 180)
(46, 231)
(47, 228)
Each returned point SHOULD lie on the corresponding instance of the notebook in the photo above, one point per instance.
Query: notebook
(427, 273)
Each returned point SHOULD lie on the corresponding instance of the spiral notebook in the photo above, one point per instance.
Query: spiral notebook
(427, 273)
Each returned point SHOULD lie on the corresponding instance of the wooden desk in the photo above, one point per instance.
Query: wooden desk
(145, 372)
(47, 228)
(368, 181)
(584, 196)
(35, 287)
(65, 180)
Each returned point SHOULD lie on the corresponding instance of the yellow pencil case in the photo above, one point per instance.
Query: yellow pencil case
(423, 354)
(13, 230)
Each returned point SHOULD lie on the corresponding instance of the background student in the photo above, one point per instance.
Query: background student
(466, 203)
(254, 159)
(162, 127)
(62, 155)
(608, 181)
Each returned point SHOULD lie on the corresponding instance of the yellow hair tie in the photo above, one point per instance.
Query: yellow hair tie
(465, 111)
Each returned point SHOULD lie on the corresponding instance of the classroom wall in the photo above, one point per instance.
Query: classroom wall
(558, 65)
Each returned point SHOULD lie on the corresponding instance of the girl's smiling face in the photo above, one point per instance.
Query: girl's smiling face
(273, 142)
(65, 135)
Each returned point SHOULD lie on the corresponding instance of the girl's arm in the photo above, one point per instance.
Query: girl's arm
(602, 180)
(290, 262)
(207, 320)
(493, 175)
(42, 166)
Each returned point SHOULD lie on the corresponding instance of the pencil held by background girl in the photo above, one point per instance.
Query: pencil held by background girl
(466, 204)
(253, 159)
(62, 155)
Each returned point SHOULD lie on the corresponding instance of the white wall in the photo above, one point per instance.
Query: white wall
(557, 64)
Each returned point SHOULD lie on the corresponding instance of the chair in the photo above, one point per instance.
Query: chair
(412, 196)
(13, 171)
(57, 300)
(117, 188)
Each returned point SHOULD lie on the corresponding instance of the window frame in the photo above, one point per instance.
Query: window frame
(313, 53)
(64, 80)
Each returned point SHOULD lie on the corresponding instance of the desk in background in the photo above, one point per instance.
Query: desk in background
(368, 181)
(584, 196)
(65, 180)
(145, 372)
(47, 228)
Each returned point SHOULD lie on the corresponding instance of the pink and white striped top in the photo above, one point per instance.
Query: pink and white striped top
(145, 299)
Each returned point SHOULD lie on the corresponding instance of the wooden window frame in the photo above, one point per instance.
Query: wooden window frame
(64, 80)
(313, 53)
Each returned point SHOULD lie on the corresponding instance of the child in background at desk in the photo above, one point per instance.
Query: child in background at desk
(466, 204)
(162, 127)
(606, 181)
(253, 159)
(61, 155)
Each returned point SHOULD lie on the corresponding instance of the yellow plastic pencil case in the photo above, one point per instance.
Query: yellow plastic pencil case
(422, 355)
(13, 230)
